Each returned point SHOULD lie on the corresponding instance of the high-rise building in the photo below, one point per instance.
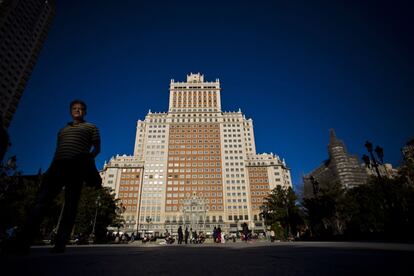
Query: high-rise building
(194, 166)
(341, 167)
(23, 29)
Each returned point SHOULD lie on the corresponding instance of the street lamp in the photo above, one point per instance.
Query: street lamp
(315, 185)
(148, 220)
(371, 158)
(98, 204)
(237, 226)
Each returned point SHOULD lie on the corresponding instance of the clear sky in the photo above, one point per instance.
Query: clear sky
(297, 68)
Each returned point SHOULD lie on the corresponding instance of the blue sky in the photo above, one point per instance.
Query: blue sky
(297, 68)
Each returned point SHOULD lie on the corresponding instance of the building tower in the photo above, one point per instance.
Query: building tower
(23, 29)
(194, 166)
(341, 167)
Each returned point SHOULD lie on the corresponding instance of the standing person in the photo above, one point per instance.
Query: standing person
(272, 235)
(180, 235)
(245, 231)
(78, 143)
(186, 234)
(195, 236)
(215, 234)
(219, 234)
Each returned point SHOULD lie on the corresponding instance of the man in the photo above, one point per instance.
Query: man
(186, 235)
(180, 235)
(78, 143)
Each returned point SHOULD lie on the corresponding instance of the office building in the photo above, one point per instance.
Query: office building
(340, 167)
(23, 29)
(194, 166)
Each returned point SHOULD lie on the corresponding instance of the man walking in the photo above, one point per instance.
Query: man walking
(180, 235)
(186, 234)
(73, 164)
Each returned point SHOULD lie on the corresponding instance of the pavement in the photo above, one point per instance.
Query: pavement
(252, 258)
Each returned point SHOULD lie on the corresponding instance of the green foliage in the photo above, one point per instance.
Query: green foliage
(104, 208)
(18, 194)
(279, 231)
(327, 211)
(383, 208)
(280, 210)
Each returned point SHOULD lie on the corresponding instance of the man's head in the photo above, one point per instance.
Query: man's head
(77, 110)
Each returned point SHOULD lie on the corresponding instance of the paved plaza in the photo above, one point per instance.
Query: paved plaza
(258, 258)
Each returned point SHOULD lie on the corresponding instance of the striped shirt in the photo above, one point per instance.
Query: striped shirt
(76, 139)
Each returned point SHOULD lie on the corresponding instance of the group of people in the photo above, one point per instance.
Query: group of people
(218, 235)
(118, 237)
(194, 238)
(149, 238)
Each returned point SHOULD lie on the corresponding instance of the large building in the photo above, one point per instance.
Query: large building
(340, 167)
(194, 166)
(23, 29)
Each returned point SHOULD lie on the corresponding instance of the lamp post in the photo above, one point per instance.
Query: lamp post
(120, 209)
(148, 220)
(315, 185)
(371, 158)
(237, 226)
(98, 204)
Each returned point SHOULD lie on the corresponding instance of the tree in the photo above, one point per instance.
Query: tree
(280, 210)
(384, 208)
(327, 211)
(106, 213)
(17, 195)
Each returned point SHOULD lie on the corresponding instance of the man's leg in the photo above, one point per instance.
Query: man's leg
(72, 196)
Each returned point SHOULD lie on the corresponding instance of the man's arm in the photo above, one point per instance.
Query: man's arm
(96, 148)
(96, 142)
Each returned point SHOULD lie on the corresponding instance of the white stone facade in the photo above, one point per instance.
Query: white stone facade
(196, 152)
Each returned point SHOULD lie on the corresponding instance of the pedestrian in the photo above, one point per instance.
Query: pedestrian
(78, 143)
(186, 234)
(195, 236)
(180, 235)
(215, 234)
(219, 234)
(245, 231)
(117, 239)
(272, 235)
(223, 237)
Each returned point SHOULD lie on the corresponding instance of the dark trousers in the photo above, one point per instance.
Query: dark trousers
(64, 173)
